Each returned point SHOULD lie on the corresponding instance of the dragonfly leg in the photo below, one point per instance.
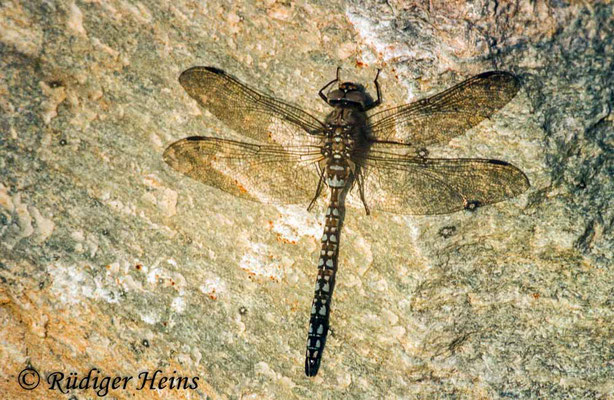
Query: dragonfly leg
(361, 190)
(321, 92)
(318, 191)
(379, 94)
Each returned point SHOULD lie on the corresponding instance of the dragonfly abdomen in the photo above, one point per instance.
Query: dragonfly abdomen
(325, 283)
(336, 176)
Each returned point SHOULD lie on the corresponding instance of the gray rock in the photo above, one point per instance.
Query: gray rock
(110, 259)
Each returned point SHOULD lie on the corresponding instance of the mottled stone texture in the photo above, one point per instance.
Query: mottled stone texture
(110, 259)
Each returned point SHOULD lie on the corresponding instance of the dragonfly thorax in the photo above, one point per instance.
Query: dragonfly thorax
(339, 144)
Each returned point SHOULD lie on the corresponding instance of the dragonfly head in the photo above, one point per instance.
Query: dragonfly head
(348, 86)
(349, 94)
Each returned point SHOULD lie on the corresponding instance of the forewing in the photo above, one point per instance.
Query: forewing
(437, 119)
(422, 186)
(245, 110)
(264, 173)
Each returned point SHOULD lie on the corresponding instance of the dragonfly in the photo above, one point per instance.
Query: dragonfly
(289, 156)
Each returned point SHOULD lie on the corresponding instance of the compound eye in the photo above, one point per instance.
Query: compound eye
(336, 95)
(355, 96)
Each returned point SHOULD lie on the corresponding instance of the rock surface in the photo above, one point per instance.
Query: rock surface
(109, 259)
